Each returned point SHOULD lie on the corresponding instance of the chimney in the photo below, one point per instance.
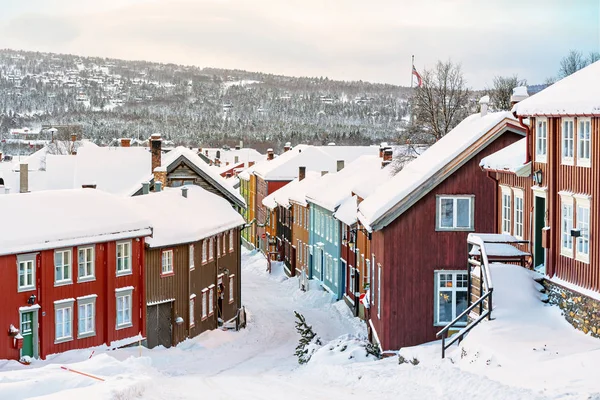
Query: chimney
(156, 150)
(519, 94)
(23, 178)
(388, 155)
(340, 165)
(6, 190)
(157, 186)
(226, 163)
(160, 175)
(324, 173)
(73, 140)
(0, 156)
(236, 159)
(270, 154)
(184, 192)
(237, 147)
(301, 173)
(228, 175)
(287, 147)
(241, 144)
(206, 153)
(125, 142)
(218, 156)
(382, 147)
(146, 188)
(89, 186)
(484, 102)
(250, 163)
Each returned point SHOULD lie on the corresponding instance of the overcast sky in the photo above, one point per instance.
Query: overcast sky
(342, 39)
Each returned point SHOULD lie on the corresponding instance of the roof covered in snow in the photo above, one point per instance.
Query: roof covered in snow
(244, 155)
(176, 219)
(347, 211)
(296, 190)
(391, 200)
(510, 159)
(62, 218)
(577, 94)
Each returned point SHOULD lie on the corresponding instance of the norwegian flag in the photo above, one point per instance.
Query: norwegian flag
(418, 76)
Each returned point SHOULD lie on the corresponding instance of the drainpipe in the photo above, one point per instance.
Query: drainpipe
(496, 226)
(528, 136)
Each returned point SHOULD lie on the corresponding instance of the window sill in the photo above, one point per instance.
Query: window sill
(204, 318)
(584, 164)
(26, 289)
(438, 229)
(458, 325)
(541, 160)
(124, 326)
(167, 274)
(231, 301)
(62, 283)
(583, 259)
(63, 340)
(567, 161)
(86, 335)
(86, 279)
(124, 273)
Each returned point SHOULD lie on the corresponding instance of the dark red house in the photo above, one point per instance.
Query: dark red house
(72, 267)
(420, 220)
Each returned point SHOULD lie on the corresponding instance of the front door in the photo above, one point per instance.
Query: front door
(539, 221)
(27, 333)
(159, 332)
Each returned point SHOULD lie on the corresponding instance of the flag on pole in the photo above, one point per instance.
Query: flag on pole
(416, 74)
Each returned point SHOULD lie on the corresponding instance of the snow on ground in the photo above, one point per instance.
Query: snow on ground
(259, 362)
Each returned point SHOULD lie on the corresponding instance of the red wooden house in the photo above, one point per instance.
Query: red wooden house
(72, 267)
(420, 220)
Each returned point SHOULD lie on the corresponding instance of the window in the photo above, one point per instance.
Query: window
(368, 269)
(455, 212)
(231, 288)
(204, 251)
(231, 234)
(334, 264)
(379, 291)
(451, 296)
(583, 224)
(218, 245)
(204, 306)
(541, 140)
(26, 272)
(167, 262)
(124, 308)
(192, 257)
(566, 225)
(63, 320)
(211, 248)
(584, 142)
(568, 141)
(518, 228)
(506, 209)
(85, 258)
(192, 310)
(124, 258)
(86, 314)
(211, 296)
(62, 267)
(224, 243)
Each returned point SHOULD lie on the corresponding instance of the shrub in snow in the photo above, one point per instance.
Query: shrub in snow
(373, 350)
(309, 341)
(346, 349)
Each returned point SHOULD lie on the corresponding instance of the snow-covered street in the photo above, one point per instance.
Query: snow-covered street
(259, 362)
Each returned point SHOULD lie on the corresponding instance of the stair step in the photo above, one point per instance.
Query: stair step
(538, 279)
(539, 288)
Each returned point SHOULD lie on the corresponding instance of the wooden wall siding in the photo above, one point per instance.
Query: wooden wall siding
(300, 233)
(523, 183)
(364, 248)
(410, 250)
(348, 254)
(183, 172)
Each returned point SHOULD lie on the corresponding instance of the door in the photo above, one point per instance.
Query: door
(27, 333)
(293, 256)
(539, 221)
(159, 325)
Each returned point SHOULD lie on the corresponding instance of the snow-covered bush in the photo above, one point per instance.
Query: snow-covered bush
(309, 341)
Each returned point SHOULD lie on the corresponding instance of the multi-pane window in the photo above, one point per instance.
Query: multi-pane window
(123, 309)
(123, 258)
(192, 310)
(224, 243)
(583, 224)
(584, 142)
(231, 234)
(204, 251)
(231, 288)
(86, 316)
(63, 323)
(85, 262)
(62, 266)
(167, 262)
(211, 296)
(367, 264)
(566, 225)
(218, 245)
(518, 220)
(191, 256)
(541, 140)
(568, 141)
(455, 212)
(204, 303)
(506, 209)
(451, 296)
(211, 248)
(26, 274)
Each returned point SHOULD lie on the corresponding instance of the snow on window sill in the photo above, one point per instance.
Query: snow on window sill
(63, 340)
(84, 279)
(124, 272)
(86, 335)
(124, 326)
(63, 283)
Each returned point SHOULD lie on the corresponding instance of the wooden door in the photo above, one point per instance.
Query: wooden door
(27, 333)
(160, 330)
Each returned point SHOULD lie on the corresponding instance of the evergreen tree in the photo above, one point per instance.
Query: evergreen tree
(308, 340)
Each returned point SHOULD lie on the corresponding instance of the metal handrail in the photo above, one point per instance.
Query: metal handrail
(462, 314)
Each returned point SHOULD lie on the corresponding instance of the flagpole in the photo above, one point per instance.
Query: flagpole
(412, 68)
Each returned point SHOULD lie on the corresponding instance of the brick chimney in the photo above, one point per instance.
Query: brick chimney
(0, 156)
(382, 147)
(287, 147)
(484, 102)
(301, 173)
(89, 186)
(388, 155)
(340, 165)
(156, 150)
(125, 142)
(270, 154)
(23, 178)
(160, 175)
(73, 140)
(206, 153)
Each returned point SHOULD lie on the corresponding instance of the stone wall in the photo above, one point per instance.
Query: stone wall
(581, 311)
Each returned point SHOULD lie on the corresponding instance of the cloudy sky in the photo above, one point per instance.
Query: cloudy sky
(342, 39)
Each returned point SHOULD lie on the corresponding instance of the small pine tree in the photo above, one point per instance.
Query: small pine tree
(374, 350)
(308, 338)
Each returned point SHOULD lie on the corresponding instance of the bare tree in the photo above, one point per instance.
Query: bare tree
(501, 93)
(571, 63)
(441, 102)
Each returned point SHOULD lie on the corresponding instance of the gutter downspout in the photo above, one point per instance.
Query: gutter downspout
(528, 136)
(496, 226)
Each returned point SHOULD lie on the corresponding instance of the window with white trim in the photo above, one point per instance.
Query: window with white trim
(231, 288)
(211, 296)
(63, 321)
(192, 257)
(519, 213)
(583, 224)
(566, 225)
(231, 235)
(85, 262)
(218, 245)
(224, 243)
(568, 141)
(204, 304)
(62, 267)
(211, 248)
(455, 213)
(124, 308)
(192, 310)
(204, 251)
(124, 258)
(506, 209)
(451, 296)
(167, 262)
(584, 142)
(26, 272)
(86, 315)
(541, 140)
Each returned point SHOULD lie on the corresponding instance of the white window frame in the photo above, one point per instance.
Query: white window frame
(124, 298)
(567, 141)
(204, 251)
(541, 141)
(91, 263)
(192, 310)
(231, 289)
(192, 256)
(583, 207)
(453, 289)
(166, 263)
(125, 259)
(519, 213)
(29, 266)
(88, 323)
(584, 144)
(566, 210)
(62, 306)
(224, 241)
(454, 198)
(211, 300)
(506, 214)
(204, 304)
(66, 269)
(211, 248)
(231, 237)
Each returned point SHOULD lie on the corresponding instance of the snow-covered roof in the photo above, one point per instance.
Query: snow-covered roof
(62, 218)
(510, 159)
(176, 219)
(244, 155)
(577, 94)
(268, 168)
(347, 211)
(296, 190)
(412, 177)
